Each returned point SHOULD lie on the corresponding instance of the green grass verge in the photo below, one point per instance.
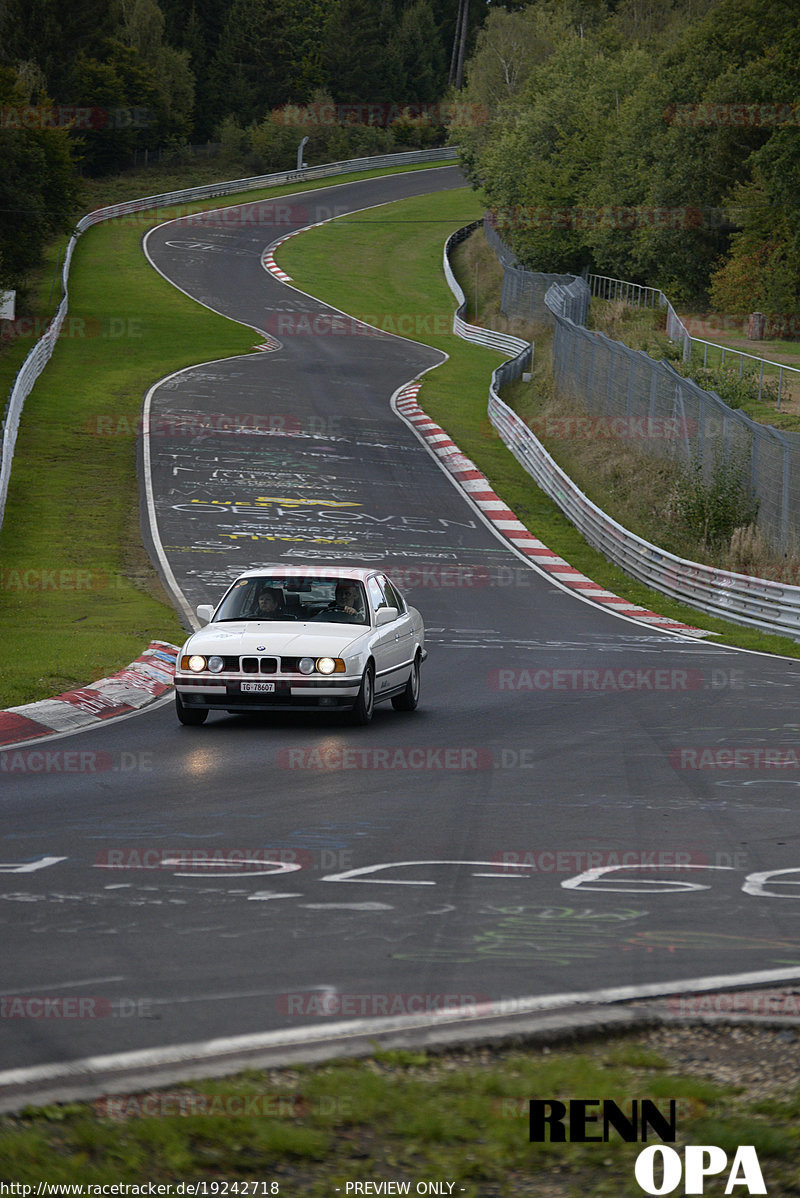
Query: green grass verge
(394, 271)
(78, 597)
(459, 1118)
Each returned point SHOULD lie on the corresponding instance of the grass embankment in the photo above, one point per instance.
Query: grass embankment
(458, 1118)
(389, 273)
(78, 596)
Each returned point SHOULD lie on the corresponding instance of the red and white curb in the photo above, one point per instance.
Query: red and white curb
(479, 490)
(268, 257)
(147, 678)
(269, 263)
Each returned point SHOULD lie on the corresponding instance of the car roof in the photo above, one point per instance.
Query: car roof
(319, 570)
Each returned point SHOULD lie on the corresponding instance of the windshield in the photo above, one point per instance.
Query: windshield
(331, 600)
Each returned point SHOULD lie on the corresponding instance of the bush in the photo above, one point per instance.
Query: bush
(736, 390)
(712, 504)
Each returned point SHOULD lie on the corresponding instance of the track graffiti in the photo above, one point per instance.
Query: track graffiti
(527, 936)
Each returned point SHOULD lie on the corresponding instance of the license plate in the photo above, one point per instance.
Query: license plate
(258, 688)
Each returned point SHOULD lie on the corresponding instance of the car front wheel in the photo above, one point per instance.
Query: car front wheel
(365, 703)
(410, 696)
(189, 715)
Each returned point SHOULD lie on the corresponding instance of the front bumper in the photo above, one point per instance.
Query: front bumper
(289, 694)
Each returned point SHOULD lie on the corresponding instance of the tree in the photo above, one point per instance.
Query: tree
(361, 52)
(509, 47)
(39, 186)
(143, 31)
(270, 54)
(607, 154)
(419, 54)
(120, 86)
(53, 35)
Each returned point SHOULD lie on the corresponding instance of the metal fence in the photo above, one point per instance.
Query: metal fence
(523, 290)
(648, 404)
(639, 296)
(636, 295)
(523, 295)
(760, 603)
(42, 351)
(762, 366)
(657, 411)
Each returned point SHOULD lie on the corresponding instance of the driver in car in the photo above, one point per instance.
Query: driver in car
(270, 604)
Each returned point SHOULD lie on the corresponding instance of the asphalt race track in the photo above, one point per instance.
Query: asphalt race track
(272, 874)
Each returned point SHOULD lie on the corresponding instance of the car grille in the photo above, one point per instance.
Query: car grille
(259, 665)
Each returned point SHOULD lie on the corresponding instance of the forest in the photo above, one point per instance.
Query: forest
(654, 140)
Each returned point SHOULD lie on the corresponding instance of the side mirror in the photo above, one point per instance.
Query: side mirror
(204, 612)
(386, 615)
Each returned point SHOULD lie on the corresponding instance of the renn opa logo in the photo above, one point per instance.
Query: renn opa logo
(659, 1168)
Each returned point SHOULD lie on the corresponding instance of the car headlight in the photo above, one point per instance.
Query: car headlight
(306, 665)
(216, 664)
(197, 663)
(326, 665)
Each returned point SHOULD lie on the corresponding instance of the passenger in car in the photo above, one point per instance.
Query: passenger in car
(349, 601)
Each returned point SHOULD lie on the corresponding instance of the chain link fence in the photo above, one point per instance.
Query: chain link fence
(656, 411)
(523, 290)
(651, 407)
(635, 295)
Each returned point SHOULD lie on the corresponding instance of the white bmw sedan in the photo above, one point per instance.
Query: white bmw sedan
(307, 638)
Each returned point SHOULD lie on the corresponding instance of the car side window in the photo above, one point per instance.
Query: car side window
(393, 596)
(376, 596)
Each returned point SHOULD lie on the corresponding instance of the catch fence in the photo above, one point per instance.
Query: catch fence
(648, 404)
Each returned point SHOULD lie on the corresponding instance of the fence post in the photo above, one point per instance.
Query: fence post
(612, 359)
(653, 396)
(787, 466)
(631, 382)
(679, 413)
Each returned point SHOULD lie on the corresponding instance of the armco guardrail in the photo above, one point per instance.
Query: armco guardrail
(570, 300)
(758, 602)
(42, 351)
(503, 342)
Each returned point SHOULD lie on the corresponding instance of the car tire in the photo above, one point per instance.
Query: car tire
(191, 716)
(409, 699)
(365, 703)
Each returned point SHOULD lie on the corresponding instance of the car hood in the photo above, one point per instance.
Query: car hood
(272, 637)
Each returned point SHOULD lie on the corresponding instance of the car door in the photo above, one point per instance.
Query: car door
(404, 627)
(386, 647)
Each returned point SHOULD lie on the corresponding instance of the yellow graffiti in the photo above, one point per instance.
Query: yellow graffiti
(264, 499)
(265, 536)
(314, 502)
